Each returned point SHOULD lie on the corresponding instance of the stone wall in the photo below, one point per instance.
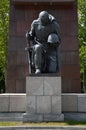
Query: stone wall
(75, 103)
(22, 13)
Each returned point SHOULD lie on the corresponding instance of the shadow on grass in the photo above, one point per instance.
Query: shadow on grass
(47, 124)
(76, 122)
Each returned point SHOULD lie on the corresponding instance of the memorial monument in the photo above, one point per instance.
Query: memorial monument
(43, 52)
(43, 92)
(22, 13)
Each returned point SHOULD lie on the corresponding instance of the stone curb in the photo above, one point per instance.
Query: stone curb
(43, 128)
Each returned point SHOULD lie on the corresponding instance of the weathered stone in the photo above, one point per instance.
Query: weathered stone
(17, 103)
(54, 117)
(81, 103)
(43, 99)
(52, 86)
(34, 86)
(4, 103)
(31, 104)
(43, 104)
(32, 118)
(56, 104)
(69, 103)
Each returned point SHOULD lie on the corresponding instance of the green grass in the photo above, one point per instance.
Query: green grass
(68, 123)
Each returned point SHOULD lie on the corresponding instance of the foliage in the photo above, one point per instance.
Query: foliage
(82, 39)
(4, 19)
(82, 21)
(82, 32)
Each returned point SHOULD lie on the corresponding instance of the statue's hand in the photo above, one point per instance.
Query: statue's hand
(27, 48)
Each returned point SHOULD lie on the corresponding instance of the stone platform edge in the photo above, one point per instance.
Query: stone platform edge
(71, 102)
(43, 128)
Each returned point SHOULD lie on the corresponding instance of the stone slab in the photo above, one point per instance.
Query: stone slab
(78, 102)
(69, 103)
(34, 85)
(52, 86)
(17, 103)
(81, 103)
(75, 117)
(4, 103)
(42, 117)
(30, 104)
(32, 117)
(56, 105)
(43, 128)
(5, 116)
(13, 116)
(43, 85)
(43, 98)
(43, 104)
(54, 117)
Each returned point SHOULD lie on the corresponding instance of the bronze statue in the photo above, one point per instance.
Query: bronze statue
(44, 48)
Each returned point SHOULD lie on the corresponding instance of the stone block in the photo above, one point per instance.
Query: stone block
(34, 86)
(43, 104)
(69, 103)
(31, 104)
(17, 102)
(82, 103)
(10, 116)
(54, 117)
(78, 116)
(43, 99)
(32, 118)
(52, 86)
(56, 104)
(4, 103)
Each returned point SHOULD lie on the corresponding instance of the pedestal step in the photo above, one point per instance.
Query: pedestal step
(42, 118)
(43, 99)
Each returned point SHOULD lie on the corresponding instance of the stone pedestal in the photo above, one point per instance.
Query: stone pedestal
(43, 99)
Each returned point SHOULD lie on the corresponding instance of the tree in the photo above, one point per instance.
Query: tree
(82, 39)
(4, 22)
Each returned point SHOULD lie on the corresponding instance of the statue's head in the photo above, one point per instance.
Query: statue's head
(44, 17)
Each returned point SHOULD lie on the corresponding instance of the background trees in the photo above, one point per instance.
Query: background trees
(82, 40)
(4, 22)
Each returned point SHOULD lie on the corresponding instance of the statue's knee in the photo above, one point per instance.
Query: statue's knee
(38, 47)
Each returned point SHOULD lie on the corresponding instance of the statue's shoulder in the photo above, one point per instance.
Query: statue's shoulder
(53, 21)
(52, 18)
(35, 22)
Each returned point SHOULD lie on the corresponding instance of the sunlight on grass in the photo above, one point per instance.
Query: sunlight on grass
(44, 124)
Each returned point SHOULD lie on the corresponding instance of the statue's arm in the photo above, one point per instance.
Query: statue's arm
(56, 26)
(31, 34)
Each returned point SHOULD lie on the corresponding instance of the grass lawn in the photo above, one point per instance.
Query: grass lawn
(68, 123)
